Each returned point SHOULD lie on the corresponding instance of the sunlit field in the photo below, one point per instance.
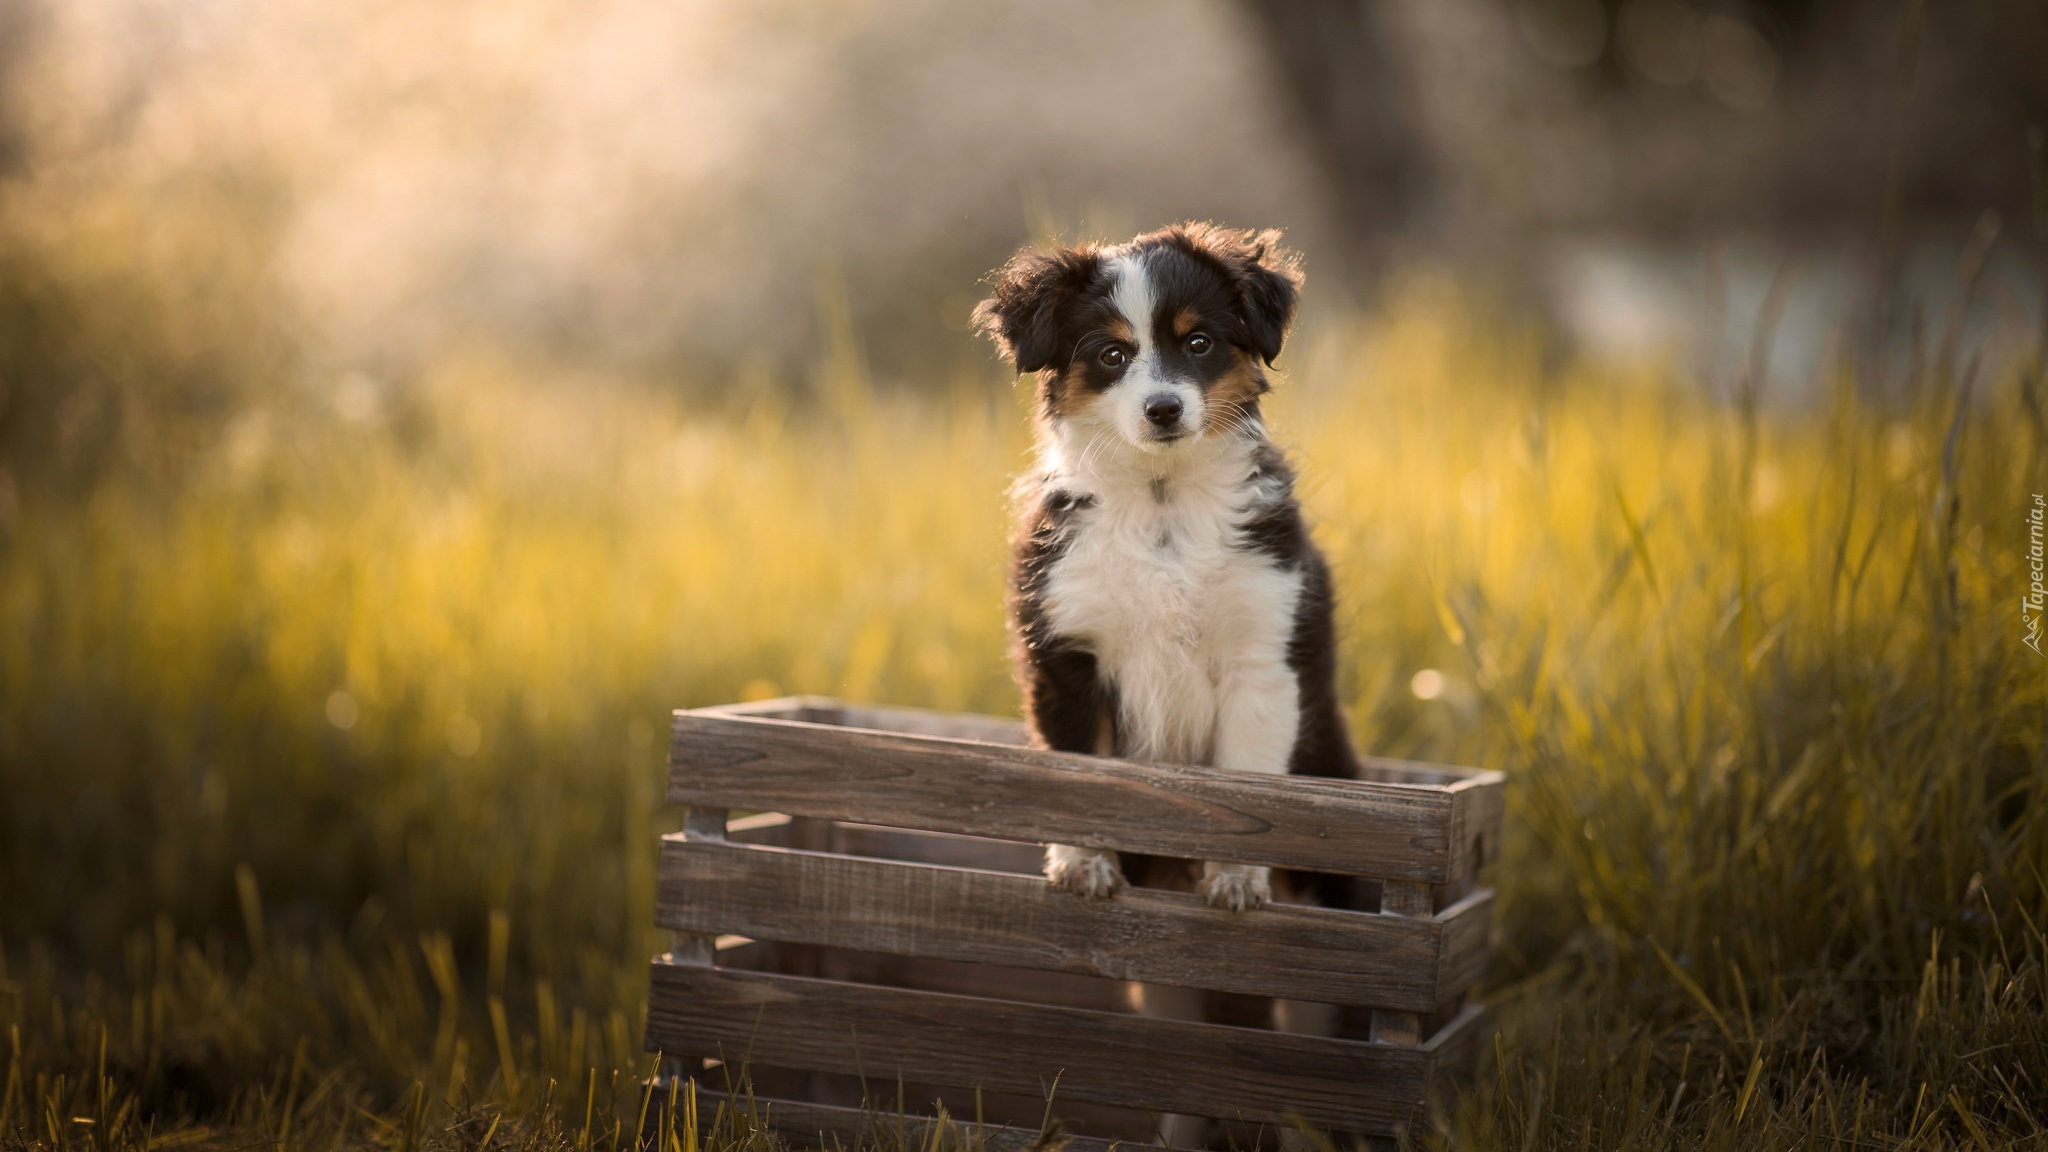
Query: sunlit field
(331, 753)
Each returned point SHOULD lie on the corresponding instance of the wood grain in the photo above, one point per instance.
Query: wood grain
(816, 709)
(1039, 986)
(1454, 1051)
(1060, 989)
(1468, 932)
(1399, 901)
(1329, 955)
(952, 725)
(883, 718)
(776, 830)
(1419, 832)
(913, 864)
(1005, 730)
(700, 825)
(1157, 1065)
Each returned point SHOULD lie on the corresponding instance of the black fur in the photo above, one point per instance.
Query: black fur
(1065, 699)
(1050, 313)
(1031, 313)
(1265, 279)
(1050, 308)
(1322, 745)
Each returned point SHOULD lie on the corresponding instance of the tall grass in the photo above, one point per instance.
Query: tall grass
(331, 768)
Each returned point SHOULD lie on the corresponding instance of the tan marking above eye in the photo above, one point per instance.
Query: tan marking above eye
(1184, 322)
(1231, 393)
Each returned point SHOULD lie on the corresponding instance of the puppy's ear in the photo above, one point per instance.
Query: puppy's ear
(1267, 277)
(1271, 286)
(1031, 292)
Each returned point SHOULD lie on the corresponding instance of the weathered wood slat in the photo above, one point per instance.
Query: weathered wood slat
(700, 825)
(1004, 982)
(1157, 1065)
(892, 930)
(1304, 953)
(1403, 832)
(883, 718)
(951, 725)
(1468, 933)
(1039, 986)
(1454, 1050)
(816, 709)
(938, 848)
(856, 1127)
(1401, 900)
(776, 830)
(1478, 806)
(1482, 813)
(1004, 730)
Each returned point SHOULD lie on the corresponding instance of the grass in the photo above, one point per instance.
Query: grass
(330, 750)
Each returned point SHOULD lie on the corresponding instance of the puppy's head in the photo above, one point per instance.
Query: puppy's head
(1163, 339)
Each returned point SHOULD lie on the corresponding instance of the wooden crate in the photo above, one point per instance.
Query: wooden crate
(880, 923)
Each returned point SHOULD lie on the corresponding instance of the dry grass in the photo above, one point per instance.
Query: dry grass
(330, 756)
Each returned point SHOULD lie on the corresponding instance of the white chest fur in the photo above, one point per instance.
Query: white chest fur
(1191, 628)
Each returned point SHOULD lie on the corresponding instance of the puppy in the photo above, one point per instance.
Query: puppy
(1167, 602)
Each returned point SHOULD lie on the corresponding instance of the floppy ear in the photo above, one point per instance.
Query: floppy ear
(1267, 277)
(1023, 317)
(1271, 285)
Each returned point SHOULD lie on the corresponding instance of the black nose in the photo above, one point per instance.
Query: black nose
(1163, 409)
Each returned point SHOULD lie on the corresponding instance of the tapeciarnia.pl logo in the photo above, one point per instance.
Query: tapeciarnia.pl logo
(2037, 595)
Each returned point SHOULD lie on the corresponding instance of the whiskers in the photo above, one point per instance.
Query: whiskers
(1231, 418)
(1100, 440)
(1090, 449)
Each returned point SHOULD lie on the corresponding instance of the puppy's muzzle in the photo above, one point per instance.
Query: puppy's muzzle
(1164, 410)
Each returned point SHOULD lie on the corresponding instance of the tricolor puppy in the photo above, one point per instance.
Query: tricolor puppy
(1167, 601)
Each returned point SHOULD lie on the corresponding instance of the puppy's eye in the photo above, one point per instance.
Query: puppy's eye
(1112, 357)
(1198, 344)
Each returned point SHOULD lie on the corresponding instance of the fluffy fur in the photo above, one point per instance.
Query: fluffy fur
(1167, 601)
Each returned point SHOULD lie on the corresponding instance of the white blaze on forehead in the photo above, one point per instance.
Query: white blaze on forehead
(1122, 405)
(1133, 298)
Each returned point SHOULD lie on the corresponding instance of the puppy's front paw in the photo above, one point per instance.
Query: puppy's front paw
(1238, 887)
(1088, 871)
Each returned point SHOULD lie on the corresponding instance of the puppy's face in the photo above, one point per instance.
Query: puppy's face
(1160, 341)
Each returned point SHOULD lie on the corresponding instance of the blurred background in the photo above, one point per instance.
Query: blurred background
(403, 406)
(660, 188)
